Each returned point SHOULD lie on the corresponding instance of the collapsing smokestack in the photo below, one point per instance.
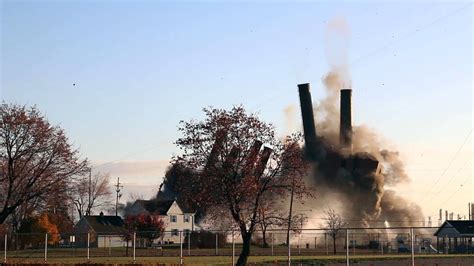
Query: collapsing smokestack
(308, 121)
(345, 128)
(263, 160)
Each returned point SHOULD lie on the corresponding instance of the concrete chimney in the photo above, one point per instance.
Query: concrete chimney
(472, 211)
(263, 160)
(345, 128)
(252, 157)
(469, 211)
(216, 149)
(308, 121)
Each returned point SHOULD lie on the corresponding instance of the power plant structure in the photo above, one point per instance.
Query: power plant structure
(338, 166)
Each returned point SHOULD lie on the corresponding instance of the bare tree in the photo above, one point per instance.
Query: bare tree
(88, 195)
(36, 160)
(235, 178)
(334, 226)
(272, 217)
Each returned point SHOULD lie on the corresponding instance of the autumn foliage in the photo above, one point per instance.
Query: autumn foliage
(241, 167)
(149, 227)
(32, 231)
(36, 160)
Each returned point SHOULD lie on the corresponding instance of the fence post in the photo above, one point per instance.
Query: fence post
(354, 245)
(5, 257)
(272, 243)
(299, 243)
(134, 244)
(88, 245)
(180, 247)
(326, 240)
(189, 243)
(289, 248)
(45, 247)
(347, 247)
(233, 248)
(217, 250)
(412, 247)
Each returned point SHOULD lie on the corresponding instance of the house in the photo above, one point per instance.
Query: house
(176, 217)
(456, 235)
(104, 231)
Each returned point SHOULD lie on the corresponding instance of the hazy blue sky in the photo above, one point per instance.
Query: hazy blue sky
(141, 67)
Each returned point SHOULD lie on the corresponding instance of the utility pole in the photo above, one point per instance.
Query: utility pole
(117, 189)
(90, 185)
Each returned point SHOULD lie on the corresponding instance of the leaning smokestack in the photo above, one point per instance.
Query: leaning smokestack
(308, 121)
(345, 128)
(216, 149)
(263, 160)
(252, 157)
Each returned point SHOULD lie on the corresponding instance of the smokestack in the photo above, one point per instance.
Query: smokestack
(345, 128)
(440, 214)
(252, 157)
(231, 158)
(472, 211)
(469, 217)
(445, 215)
(262, 163)
(216, 149)
(308, 121)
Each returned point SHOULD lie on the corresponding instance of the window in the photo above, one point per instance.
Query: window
(174, 232)
(186, 218)
(173, 218)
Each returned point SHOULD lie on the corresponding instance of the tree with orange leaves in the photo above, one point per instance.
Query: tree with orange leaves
(46, 225)
(236, 177)
(33, 229)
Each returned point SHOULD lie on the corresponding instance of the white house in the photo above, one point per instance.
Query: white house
(176, 217)
(103, 230)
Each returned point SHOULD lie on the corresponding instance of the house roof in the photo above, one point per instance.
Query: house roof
(161, 206)
(155, 207)
(105, 224)
(463, 227)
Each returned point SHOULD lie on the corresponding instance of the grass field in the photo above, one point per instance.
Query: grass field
(269, 260)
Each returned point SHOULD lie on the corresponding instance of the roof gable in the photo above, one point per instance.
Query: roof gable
(105, 224)
(456, 227)
(162, 207)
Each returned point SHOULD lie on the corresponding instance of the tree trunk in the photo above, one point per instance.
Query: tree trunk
(126, 250)
(289, 218)
(245, 249)
(264, 238)
(5, 213)
(334, 244)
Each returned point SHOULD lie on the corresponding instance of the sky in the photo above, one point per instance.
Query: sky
(140, 67)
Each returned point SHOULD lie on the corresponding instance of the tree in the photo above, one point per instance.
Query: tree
(90, 192)
(334, 226)
(271, 217)
(148, 227)
(235, 177)
(33, 229)
(36, 159)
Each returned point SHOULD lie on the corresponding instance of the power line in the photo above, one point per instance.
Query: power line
(455, 192)
(410, 34)
(389, 44)
(448, 166)
(453, 176)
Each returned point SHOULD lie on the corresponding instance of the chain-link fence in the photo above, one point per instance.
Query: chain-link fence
(404, 243)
